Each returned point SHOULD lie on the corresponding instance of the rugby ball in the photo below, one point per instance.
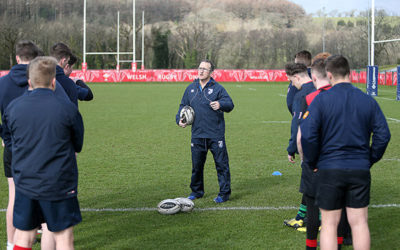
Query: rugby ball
(169, 206)
(187, 205)
(187, 115)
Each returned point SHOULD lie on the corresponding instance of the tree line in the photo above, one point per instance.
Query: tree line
(247, 34)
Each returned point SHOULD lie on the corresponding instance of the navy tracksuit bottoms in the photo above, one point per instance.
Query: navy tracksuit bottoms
(200, 147)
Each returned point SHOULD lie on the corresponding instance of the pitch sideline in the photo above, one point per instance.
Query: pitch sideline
(150, 209)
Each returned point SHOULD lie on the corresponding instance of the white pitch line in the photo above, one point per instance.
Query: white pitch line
(275, 121)
(384, 98)
(392, 159)
(392, 119)
(252, 89)
(149, 209)
(282, 95)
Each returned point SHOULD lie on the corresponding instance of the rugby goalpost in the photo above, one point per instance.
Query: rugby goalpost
(372, 69)
(118, 53)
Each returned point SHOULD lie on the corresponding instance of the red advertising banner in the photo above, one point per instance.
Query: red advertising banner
(220, 75)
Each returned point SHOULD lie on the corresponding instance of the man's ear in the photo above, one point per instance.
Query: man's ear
(330, 76)
(63, 62)
(18, 59)
(30, 84)
(53, 84)
(314, 79)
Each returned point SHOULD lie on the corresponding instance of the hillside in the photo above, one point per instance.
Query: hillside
(178, 33)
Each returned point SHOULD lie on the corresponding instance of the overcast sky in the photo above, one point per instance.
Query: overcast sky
(312, 6)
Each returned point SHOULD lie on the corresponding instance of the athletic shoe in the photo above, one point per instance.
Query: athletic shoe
(192, 197)
(302, 229)
(294, 223)
(219, 199)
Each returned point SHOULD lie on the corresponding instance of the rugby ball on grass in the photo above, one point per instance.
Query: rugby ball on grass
(187, 115)
(187, 205)
(169, 206)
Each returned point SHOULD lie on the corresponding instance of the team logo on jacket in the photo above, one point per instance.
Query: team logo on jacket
(210, 91)
(192, 145)
(192, 91)
(220, 144)
(305, 114)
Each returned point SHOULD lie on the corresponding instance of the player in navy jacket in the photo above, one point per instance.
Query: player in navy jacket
(13, 85)
(297, 73)
(336, 134)
(62, 54)
(44, 163)
(209, 100)
(301, 57)
(84, 92)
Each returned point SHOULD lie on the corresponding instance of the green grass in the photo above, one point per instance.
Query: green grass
(135, 156)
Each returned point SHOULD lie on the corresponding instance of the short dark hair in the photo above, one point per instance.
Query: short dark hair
(72, 59)
(210, 62)
(338, 65)
(60, 51)
(304, 57)
(292, 69)
(26, 50)
(318, 66)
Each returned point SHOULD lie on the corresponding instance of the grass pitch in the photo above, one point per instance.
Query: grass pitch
(135, 155)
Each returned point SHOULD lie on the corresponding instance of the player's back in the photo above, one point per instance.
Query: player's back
(347, 119)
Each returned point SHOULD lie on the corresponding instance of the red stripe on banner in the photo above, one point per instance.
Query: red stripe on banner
(220, 75)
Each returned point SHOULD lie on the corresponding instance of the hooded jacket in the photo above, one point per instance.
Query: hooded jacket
(15, 84)
(12, 85)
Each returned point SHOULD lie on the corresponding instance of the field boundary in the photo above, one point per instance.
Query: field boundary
(241, 208)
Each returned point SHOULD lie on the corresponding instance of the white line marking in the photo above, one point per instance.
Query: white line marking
(384, 98)
(282, 95)
(393, 159)
(239, 86)
(147, 209)
(275, 121)
(385, 205)
(386, 91)
(392, 119)
(252, 89)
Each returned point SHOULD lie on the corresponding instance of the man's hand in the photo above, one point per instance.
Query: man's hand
(215, 105)
(291, 158)
(181, 124)
(2, 143)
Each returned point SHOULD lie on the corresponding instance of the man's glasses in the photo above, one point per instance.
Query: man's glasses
(203, 69)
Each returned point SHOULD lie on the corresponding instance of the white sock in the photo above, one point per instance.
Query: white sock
(10, 246)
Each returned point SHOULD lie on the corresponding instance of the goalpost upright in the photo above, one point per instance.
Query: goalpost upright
(118, 53)
(372, 69)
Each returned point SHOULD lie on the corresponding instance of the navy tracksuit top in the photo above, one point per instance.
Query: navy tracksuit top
(337, 128)
(44, 133)
(208, 123)
(298, 111)
(73, 90)
(15, 84)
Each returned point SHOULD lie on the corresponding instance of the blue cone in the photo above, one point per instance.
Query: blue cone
(277, 173)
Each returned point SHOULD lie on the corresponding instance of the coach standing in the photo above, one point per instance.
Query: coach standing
(209, 101)
(336, 134)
